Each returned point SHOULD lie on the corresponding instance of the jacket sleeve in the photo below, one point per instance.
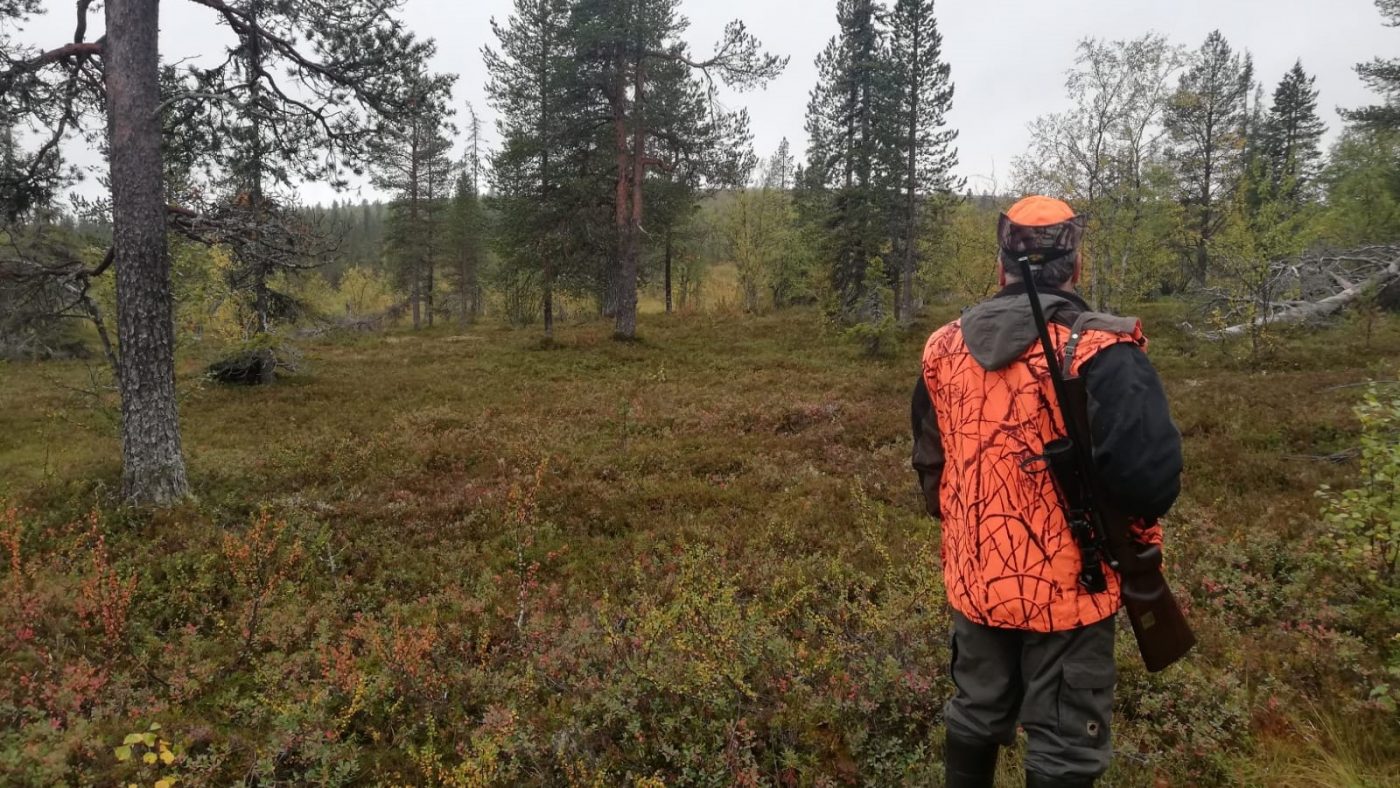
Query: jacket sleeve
(928, 447)
(1137, 448)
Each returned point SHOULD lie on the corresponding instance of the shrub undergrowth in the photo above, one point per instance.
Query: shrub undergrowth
(696, 560)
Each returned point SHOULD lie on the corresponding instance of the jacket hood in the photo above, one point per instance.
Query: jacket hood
(999, 331)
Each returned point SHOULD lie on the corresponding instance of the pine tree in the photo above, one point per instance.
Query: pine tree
(153, 470)
(920, 140)
(1292, 137)
(1383, 76)
(251, 154)
(1207, 122)
(694, 151)
(633, 59)
(335, 68)
(467, 239)
(411, 162)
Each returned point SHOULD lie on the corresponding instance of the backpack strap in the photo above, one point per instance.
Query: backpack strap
(1096, 321)
(1076, 333)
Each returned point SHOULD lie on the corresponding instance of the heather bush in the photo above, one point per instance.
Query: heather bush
(699, 560)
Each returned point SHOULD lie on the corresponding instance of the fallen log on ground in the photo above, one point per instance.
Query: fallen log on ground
(1380, 266)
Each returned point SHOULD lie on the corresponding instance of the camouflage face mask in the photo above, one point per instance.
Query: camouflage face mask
(1039, 244)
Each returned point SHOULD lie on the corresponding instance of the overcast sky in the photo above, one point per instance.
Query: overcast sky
(1008, 57)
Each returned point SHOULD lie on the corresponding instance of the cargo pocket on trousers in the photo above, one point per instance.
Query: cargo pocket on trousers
(1086, 703)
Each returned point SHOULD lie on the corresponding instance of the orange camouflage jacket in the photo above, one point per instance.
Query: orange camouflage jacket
(1009, 559)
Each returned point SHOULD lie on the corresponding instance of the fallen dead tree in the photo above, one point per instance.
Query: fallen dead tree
(352, 323)
(1322, 285)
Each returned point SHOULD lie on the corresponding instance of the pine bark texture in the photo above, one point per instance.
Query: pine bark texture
(670, 249)
(153, 469)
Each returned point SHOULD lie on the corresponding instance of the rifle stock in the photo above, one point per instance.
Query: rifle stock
(1162, 633)
(1163, 636)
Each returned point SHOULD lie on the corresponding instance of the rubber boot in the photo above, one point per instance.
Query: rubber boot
(969, 763)
(1034, 780)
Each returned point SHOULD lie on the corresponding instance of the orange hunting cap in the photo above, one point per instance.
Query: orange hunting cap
(1039, 229)
(1040, 211)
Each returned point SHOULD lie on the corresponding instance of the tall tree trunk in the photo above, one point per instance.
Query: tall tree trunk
(430, 228)
(630, 177)
(904, 304)
(1207, 219)
(416, 298)
(612, 302)
(906, 290)
(669, 251)
(428, 291)
(549, 301)
(417, 260)
(625, 322)
(153, 469)
(261, 297)
(545, 179)
(464, 296)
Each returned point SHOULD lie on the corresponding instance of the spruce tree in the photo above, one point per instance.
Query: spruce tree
(1292, 137)
(532, 89)
(922, 144)
(846, 150)
(467, 228)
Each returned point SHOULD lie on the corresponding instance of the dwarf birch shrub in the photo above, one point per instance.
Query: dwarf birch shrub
(1364, 524)
(1365, 520)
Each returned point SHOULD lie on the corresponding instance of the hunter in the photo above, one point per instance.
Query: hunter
(1030, 645)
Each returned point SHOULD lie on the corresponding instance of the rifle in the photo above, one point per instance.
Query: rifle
(1103, 532)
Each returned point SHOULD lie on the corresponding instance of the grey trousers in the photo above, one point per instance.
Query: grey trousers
(1057, 685)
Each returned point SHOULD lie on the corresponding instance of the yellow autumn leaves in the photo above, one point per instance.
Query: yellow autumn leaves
(157, 751)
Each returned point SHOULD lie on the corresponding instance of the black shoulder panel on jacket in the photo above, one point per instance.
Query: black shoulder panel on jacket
(1137, 448)
(928, 446)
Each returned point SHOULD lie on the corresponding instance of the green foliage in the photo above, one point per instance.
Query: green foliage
(1263, 225)
(1105, 154)
(1366, 518)
(849, 183)
(1383, 77)
(1291, 137)
(148, 748)
(1365, 526)
(961, 256)
(468, 232)
(880, 154)
(411, 161)
(759, 226)
(1208, 122)
(1363, 189)
(742, 589)
(876, 332)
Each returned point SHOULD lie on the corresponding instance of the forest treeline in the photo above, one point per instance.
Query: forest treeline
(619, 172)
